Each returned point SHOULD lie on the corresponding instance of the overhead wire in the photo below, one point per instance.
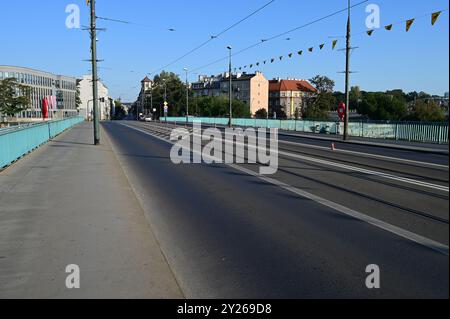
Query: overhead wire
(280, 35)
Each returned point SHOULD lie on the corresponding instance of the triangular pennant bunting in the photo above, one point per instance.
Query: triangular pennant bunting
(435, 16)
(409, 23)
(334, 44)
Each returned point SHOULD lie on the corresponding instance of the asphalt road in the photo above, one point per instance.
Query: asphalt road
(308, 231)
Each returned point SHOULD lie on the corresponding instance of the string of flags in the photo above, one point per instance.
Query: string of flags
(408, 24)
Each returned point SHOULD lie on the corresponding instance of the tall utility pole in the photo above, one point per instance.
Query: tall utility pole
(347, 74)
(230, 88)
(94, 73)
(187, 96)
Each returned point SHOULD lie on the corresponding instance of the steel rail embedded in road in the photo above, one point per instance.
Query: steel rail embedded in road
(432, 244)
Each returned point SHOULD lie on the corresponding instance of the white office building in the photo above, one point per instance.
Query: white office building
(87, 100)
(59, 89)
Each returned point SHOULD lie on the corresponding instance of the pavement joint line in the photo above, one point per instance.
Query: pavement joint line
(426, 242)
(153, 234)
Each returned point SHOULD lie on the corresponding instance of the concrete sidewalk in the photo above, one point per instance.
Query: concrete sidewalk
(70, 203)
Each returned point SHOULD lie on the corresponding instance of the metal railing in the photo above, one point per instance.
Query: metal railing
(15, 142)
(406, 131)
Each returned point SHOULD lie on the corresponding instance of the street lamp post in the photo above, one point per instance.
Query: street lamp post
(151, 98)
(187, 96)
(165, 97)
(231, 87)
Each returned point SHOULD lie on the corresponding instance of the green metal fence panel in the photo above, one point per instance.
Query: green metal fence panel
(414, 132)
(16, 142)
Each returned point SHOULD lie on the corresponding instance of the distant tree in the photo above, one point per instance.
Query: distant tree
(412, 96)
(176, 93)
(398, 95)
(321, 107)
(323, 84)
(218, 106)
(383, 106)
(339, 97)
(427, 111)
(261, 114)
(119, 110)
(355, 97)
(14, 97)
(277, 113)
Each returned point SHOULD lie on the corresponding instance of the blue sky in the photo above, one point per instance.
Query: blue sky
(34, 35)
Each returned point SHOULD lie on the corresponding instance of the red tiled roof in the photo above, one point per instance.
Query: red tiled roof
(291, 85)
(146, 79)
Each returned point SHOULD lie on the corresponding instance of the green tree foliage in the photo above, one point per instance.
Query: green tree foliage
(321, 107)
(209, 106)
(427, 111)
(119, 110)
(323, 84)
(355, 97)
(176, 94)
(261, 114)
(14, 97)
(383, 106)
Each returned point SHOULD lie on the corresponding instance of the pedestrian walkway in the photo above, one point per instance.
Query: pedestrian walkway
(67, 203)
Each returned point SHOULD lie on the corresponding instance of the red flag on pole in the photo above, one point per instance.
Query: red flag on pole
(45, 108)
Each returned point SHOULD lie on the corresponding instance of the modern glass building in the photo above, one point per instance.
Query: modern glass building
(59, 90)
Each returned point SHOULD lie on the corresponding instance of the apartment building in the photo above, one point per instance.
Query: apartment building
(252, 89)
(288, 98)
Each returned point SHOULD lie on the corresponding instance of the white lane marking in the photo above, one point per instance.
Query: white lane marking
(366, 154)
(369, 172)
(362, 170)
(350, 212)
(426, 242)
(353, 152)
